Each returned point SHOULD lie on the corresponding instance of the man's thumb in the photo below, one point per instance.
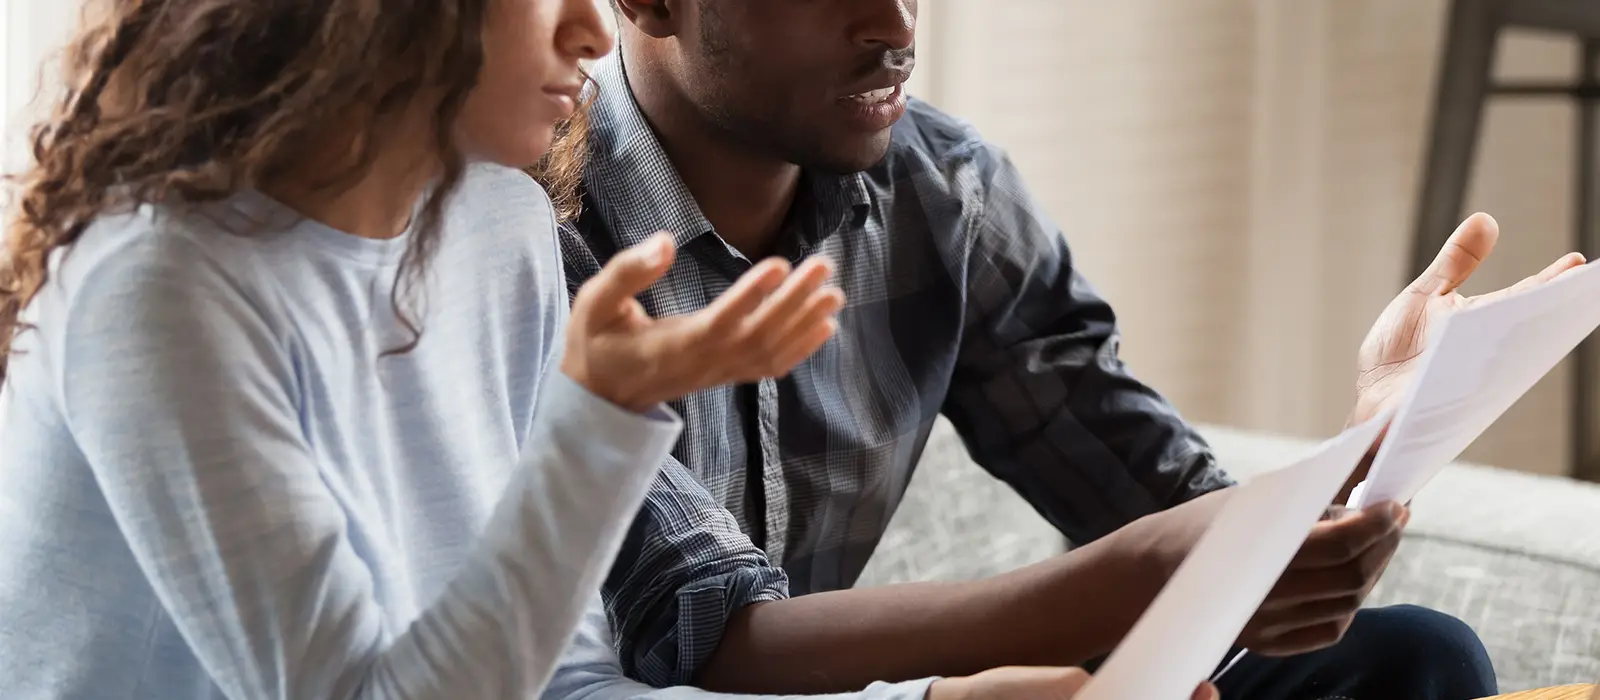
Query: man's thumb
(1472, 241)
(627, 274)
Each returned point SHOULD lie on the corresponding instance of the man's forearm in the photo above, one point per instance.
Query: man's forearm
(1062, 611)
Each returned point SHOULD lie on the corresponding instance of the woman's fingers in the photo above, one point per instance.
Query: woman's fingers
(755, 286)
(810, 330)
(600, 300)
(766, 323)
(780, 311)
(770, 320)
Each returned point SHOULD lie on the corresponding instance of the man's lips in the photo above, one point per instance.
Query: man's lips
(875, 96)
(880, 87)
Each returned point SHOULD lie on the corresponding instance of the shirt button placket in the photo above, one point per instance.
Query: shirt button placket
(773, 485)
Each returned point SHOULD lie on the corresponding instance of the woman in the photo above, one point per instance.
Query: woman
(284, 412)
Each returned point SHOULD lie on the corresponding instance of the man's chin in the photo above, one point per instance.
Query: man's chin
(849, 159)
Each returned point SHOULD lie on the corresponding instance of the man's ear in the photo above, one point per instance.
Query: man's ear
(655, 18)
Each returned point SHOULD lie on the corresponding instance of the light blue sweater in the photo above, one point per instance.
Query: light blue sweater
(212, 485)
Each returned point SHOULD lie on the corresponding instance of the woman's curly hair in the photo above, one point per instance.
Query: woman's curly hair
(186, 101)
(560, 171)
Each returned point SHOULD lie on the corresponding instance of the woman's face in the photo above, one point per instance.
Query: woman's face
(530, 77)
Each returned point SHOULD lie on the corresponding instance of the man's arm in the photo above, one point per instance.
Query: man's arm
(591, 670)
(1044, 403)
(685, 566)
(1059, 612)
(692, 600)
(1039, 393)
(684, 569)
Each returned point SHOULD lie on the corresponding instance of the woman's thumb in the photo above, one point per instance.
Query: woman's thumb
(629, 273)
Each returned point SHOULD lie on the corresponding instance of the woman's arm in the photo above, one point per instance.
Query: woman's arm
(183, 402)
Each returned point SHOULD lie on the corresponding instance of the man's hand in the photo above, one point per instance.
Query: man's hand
(1320, 591)
(1318, 595)
(1388, 357)
(1026, 683)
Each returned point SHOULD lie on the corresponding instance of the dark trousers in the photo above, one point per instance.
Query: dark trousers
(1402, 652)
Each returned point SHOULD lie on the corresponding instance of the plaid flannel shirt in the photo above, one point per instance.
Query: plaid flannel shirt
(962, 301)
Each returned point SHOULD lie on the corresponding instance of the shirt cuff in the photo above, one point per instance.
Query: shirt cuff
(699, 618)
(620, 435)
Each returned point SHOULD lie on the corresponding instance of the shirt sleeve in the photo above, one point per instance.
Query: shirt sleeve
(591, 671)
(1039, 393)
(181, 396)
(685, 567)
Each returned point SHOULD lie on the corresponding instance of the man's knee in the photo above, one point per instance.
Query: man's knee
(1428, 652)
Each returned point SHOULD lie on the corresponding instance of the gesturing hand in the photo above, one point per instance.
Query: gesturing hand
(1388, 357)
(770, 320)
(1315, 600)
(1025, 683)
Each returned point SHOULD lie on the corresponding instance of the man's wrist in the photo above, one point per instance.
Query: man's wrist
(1154, 546)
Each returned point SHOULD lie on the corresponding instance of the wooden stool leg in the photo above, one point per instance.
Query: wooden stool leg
(1461, 87)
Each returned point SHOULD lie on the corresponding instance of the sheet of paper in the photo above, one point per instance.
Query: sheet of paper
(1188, 629)
(1481, 361)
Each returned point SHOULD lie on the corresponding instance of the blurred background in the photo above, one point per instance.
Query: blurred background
(1240, 177)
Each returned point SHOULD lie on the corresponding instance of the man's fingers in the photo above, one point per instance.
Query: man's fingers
(1308, 614)
(1334, 542)
(1562, 265)
(627, 274)
(1303, 640)
(1355, 578)
(1471, 242)
(1207, 691)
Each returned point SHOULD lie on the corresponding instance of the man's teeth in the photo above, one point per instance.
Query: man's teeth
(878, 95)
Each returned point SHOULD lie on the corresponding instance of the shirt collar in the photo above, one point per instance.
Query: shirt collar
(636, 190)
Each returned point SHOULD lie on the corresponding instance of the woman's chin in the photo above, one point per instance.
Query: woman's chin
(521, 152)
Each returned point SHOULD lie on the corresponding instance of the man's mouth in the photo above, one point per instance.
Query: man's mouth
(874, 96)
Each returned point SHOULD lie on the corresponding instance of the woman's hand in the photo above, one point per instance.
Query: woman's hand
(771, 319)
(1026, 683)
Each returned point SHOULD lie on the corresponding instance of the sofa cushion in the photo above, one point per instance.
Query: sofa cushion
(1514, 555)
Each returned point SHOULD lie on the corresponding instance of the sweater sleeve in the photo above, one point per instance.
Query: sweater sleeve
(182, 399)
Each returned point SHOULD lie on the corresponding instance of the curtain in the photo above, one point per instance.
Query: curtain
(1238, 177)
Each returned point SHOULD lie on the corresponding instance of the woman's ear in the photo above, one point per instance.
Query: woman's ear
(655, 18)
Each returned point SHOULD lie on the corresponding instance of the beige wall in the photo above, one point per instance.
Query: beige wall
(1238, 176)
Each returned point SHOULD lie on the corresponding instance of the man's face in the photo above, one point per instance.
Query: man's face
(813, 82)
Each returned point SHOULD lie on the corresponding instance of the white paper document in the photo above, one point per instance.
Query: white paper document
(1198, 615)
(1481, 361)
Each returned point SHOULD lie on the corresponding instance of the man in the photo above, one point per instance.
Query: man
(779, 127)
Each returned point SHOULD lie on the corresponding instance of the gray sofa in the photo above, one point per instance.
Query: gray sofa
(1514, 555)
